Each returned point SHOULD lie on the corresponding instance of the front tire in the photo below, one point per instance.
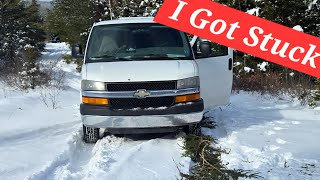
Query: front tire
(90, 135)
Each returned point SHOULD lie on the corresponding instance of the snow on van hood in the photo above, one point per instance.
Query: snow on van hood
(124, 71)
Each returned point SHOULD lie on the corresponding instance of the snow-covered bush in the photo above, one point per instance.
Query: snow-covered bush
(264, 83)
(21, 40)
(255, 75)
(28, 75)
(25, 72)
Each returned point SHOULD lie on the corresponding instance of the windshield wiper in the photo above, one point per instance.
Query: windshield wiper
(111, 58)
(155, 56)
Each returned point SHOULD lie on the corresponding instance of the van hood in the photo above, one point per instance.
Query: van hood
(133, 71)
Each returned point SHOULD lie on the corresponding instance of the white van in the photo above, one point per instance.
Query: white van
(142, 77)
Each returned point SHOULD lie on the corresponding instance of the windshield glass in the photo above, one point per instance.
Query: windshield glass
(137, 42)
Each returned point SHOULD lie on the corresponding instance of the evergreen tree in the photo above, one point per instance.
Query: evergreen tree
(34, 26)
(108, 9)
(21, 39)
(71, 20)
(150, 7)
(127, 8)
(288, 13)
(313, 28)
(312, 20)
(132, 8)
(242, 5)
(12, 36)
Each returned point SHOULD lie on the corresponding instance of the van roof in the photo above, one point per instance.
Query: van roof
(126, 20)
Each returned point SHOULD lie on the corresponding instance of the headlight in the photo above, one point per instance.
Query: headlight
(188, 83)
(87, 85)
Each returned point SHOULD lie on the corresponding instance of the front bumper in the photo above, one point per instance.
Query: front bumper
(175, 116)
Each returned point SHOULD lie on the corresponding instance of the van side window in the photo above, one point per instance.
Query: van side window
(216, 49)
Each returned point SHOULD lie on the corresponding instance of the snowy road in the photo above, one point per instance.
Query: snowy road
(275, 137)
(37, 142)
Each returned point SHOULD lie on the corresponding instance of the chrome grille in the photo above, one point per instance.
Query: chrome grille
(162, 85)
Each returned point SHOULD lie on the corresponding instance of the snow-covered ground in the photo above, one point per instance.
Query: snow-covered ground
(275, 137)
(37, 142)
(278, 138)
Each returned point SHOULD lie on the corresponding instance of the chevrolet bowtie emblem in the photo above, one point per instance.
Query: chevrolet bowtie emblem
(141, 93)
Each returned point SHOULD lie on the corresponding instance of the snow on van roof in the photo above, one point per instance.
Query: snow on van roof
(126, 20)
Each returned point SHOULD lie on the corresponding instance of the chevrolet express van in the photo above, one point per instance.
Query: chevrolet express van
(139, 76)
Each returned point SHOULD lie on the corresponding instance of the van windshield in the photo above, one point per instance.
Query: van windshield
(135, 42)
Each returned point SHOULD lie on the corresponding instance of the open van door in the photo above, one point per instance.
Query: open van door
(216, 73)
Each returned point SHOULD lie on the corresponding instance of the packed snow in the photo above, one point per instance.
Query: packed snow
(276, 137)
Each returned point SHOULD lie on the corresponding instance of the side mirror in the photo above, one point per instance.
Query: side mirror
(77, 51)
(205, 49)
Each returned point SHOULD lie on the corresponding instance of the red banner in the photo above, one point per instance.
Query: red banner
(244, 32)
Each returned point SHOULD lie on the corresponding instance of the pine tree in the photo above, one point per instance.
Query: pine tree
(288, 13)
(108, 9)
(242, 5)
(133, 8)
(311, 22)
(313, 28)
(150, 7)
(12, 36)
(34, 27)
(19, 29)
(21, 39)
(71, 20)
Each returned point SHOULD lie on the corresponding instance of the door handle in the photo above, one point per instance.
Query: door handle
(230, 64)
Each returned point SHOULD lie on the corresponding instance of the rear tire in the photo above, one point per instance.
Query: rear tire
(90, 135)
(194, 129)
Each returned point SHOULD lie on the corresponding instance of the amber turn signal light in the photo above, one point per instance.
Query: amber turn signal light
(97, 101)
(187, 98)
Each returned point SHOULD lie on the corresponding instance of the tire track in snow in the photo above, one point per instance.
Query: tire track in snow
(115, 158)
(62, 160)
(102, 156)
(79, 159)
(127, 157)
(148, 157)
(37, 133)
(105, 158)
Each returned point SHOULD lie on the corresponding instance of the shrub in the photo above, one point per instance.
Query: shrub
(25, 72)
(265, 78)
(50, 94)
